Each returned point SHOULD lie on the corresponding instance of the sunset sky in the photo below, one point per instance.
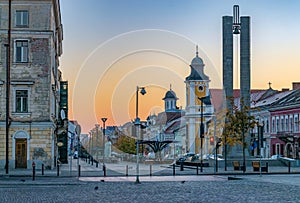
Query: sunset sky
(112, 46)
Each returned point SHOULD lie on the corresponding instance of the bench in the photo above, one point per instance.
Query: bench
(237, 166)
(256, 164)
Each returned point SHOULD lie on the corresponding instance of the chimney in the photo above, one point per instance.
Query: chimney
(285, 89)
(296, 85)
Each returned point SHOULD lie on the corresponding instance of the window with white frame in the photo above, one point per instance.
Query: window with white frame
(281, 123)
(277, 124)
(291, 123)
(286, 123)
(296, 123)
(267, 126)
(22, 18)
(273, 124)
(21, 101)
(21, 51)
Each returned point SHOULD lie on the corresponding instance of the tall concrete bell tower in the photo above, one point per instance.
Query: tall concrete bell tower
(236, 25)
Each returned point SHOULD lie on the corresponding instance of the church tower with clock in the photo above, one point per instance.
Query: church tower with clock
(197, 91)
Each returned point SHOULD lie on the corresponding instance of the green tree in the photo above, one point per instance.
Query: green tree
(126, 144)
(237, 123)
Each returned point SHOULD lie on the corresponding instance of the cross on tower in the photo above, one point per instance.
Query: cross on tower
(270, 85)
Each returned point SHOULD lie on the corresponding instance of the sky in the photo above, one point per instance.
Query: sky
(112, 46)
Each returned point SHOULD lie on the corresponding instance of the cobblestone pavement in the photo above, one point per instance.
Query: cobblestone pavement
(186, 186)
(205, 189)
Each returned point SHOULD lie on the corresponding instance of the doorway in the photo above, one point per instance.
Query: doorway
(21, 153)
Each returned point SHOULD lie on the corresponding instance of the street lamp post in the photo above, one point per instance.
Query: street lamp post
(201, 136)
(97, 141)
(215, 143)
(202, 99)
(260, 145)
(137, 126)
(103, 142)
(78, 132)
(243, 141)
(90, 149)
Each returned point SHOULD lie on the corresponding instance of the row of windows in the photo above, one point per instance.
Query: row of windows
(21, 46)
(285, 123)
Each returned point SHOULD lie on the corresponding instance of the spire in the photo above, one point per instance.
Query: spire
(196, 50)
(170, 86)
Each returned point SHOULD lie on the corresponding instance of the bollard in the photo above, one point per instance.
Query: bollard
(57, 169)
(79, 168)
(104, 170)
(181, 166)
(150, 170)
(289, 167)
(126, 170)
(43, 166)
(197, 168)
(174, 169)
(33, 171)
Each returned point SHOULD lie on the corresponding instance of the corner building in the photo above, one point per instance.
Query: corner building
(35, 82)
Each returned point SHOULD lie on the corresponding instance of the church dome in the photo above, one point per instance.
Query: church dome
(170, 95)
(197, 66)
(197, 61)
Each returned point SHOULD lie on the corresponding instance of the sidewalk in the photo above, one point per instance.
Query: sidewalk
(68, 174)
(128, 169)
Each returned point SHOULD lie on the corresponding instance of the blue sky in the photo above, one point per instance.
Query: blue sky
(88, 23)
(275, 33)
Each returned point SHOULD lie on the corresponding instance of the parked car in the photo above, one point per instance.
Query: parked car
(195, 157)
(206, 156)
(75, 156)
(276, 156)
(182, 159)
(186, 157)
(151, 155)
(219, 156)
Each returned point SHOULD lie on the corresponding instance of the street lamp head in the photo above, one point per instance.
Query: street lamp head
(143, 91)
(205, 100)
(137, 121)
(104, 119)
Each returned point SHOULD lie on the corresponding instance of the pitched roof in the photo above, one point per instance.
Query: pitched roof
(271, 99)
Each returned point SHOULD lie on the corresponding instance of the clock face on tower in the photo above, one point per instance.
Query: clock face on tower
(200, 88)
(199, 92)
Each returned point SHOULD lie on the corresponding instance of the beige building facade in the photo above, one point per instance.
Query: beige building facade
(34, 111)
